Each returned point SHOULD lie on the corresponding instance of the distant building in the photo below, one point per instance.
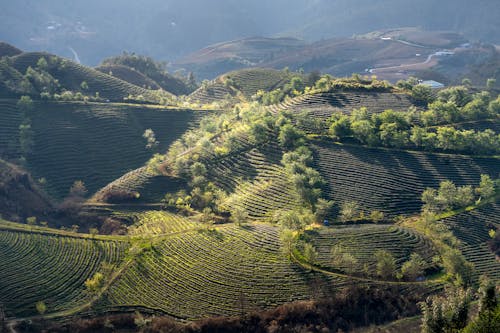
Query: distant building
(433, 84)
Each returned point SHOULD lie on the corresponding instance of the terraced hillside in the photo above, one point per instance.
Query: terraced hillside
(49, 268)
(223, 272)
(213, 91)
(257, 181)
(364, 240)
(71, 75)
(10, 119)
(251, 80)
(323, 105)
(389, 180)
(129, 75)
(97, 143)
(151, 186)
(472, 228)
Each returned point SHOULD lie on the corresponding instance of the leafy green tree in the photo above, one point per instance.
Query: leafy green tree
(376, 216)
(95, 283)
(488, 319)
(40, 306)
(322, 209)
(289, 137)
(150, 137)
(422, 93)
(239, 215)
(386, 264)
(414, 267)
(287, 238)
(78, 189)
(349, 210)
(457, 267)
(486, 187)
(364, 131)
(449, 313)
(340, 127)
(310, 253)
(26, 140)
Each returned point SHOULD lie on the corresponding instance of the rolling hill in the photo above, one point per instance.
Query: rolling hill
(229, 210)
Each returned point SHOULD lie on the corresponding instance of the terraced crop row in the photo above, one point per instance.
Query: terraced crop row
(363, 241)
(159, 222)
(151, 186)
(472, 228)
(10, 119)
(51, 269)
(98, 143)
(215, 91)
(71, 75)
(323, 105)
(389, 180)
(251, 80)
(258, 180)
(223, 272)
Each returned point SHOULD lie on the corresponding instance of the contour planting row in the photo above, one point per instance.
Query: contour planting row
(97, 143)
(392, 181)
(10, 119)
(51, 269)
(257, 180)
(71, 75)
(215, 272)
(159, 223)
(472, 229)
(364, 241)
(251, 80)
(323, 105)
(212, 92)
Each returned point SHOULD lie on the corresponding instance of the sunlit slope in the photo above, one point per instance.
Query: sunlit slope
(49, 268)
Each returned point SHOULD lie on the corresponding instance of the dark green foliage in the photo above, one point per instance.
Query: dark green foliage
(155, 71)
(446, 314)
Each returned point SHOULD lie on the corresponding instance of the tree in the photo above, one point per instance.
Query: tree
(322, 209)
(414, 267)
(488, 319)
(289, 137)
(31, 221)
(150, 137)
(26, 138)
(25, 105)
(422, 93)
(457, 266)
(386, 264)
(287, 238)
(93, 232)
(94, 283)
(490, 83)
(446, 313)
(78, 189)
(376, 216)
(239, 215)
(341, 127)
(348, 211)
(486, 187)
(340, 257)
(310, 253)
(40, 306)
